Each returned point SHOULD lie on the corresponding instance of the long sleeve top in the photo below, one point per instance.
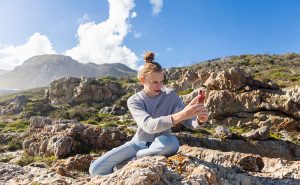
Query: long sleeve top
(153, 114)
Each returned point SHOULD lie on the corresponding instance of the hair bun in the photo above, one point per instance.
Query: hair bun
(149, 57)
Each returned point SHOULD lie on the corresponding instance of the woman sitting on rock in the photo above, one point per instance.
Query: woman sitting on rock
(156, 110)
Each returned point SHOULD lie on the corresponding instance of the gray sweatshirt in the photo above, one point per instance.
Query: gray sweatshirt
(153, 114)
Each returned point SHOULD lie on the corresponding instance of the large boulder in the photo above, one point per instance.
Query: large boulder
(70, 90)
(14, 106)
(235, 98)
(61, 138)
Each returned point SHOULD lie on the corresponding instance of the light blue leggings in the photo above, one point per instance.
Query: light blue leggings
(162, 145)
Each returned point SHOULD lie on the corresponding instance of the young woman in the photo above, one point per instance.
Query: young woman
(156, 111)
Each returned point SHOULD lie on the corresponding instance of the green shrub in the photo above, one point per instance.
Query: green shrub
(2, 125)
(294, 78)
(185, 92)
(14, 145)
(254, 62)
(109, 125)
(92, 122)
(126, 122)
(275, 136)
(237, 130)
(123, 100)
(96, 118)
(35, 183)
(37, 108)
(6, 158)
(60, 113)
(16, 126)
(82, 112)
(107, 80)
(27, 159)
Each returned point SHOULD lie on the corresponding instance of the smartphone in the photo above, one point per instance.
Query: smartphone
(201, 94)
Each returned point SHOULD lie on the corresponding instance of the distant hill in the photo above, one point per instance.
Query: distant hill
(6, 91)
(39, 71)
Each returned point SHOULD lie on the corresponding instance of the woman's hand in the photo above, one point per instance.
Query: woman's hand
(191, 110)
(202, 115)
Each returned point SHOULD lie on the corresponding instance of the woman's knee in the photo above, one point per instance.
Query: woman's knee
(170, 142)
(95, 170)
(104, 164)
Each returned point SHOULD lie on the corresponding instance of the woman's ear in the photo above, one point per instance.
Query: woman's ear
(142, 79)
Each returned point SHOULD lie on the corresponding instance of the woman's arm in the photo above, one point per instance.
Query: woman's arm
(145, 121)
(187, 112)
(199, 117)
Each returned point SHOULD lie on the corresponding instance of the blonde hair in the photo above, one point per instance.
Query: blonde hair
(149, 66)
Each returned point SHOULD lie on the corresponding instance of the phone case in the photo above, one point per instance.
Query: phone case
(201, 98)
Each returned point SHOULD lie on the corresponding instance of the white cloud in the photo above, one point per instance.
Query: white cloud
(12, 56)
(156, 5)
(137, 34)
(85, 18)
(133, 15)
(170, 49)
(103, 42)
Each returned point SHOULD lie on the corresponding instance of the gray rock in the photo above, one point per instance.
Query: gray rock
(260, 134)
(39, 122)
(63, 137)
(222, 132)
(114, 110)
(14, 106)
(74, 90)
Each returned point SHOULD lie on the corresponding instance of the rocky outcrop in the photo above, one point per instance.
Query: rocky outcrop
(71, 90)
(76, 163)
(11, 174)
(196, 165)
(64, 137)
(260, 170)
(235, 98)
(260, 134)
(191, 165)
(233, 94)
(160, 170)
(182, 79)
(14, 106)
(270, 148)
(115, 110)
(233, 79)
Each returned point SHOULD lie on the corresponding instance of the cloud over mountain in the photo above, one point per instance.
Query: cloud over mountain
(103, 42)
(99, 43)
(11, 56)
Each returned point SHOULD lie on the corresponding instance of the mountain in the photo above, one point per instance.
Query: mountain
(39, 71)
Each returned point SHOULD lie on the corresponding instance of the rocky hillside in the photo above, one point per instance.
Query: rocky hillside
(283, 70)
(39, 71)
(57, 152)
(252, 137)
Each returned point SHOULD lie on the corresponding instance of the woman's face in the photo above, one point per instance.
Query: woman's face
(153, 83)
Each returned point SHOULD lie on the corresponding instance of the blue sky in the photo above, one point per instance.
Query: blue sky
(180, 32)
